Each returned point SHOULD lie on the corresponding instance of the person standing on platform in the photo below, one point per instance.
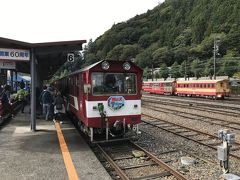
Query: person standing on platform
(59, 108)
(5, 98)
(40, 97)
(21, 97)
(22, 84)
(47, 101)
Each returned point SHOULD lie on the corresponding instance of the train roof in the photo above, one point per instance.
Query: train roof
(159, 81)
(95, 64)
(203, 81)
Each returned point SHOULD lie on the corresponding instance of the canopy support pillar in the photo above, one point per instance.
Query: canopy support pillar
(33, 91)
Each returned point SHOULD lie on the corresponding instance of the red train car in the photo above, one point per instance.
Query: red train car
(160, 87)
(105, 97)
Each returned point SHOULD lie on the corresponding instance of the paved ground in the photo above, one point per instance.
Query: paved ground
(37, 155)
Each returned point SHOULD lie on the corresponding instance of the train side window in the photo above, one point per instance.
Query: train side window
(200, 86)
(209, 86)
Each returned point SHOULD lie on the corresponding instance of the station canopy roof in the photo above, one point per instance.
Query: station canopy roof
(50, 55)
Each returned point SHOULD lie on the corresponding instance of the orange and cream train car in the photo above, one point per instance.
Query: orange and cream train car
(204, 88)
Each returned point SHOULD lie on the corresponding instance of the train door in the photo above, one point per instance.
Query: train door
(219, 86)
(226, 88)
(83, 95)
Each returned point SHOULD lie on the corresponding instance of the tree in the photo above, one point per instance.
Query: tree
(129, 52)
(184, 69)
(145, 40)
(116, 52)
(196, 68)
(237, 74)
(90, 58)
(228, 68)
(144, 59)
(178, 30)
(175, 70)
(162, 55)
(208, 69)
(146, 73)
(156, 75)
(164, 71)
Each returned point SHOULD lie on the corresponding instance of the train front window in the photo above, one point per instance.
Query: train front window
(114, 83)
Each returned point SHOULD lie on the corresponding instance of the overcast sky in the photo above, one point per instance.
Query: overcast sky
(62, 20)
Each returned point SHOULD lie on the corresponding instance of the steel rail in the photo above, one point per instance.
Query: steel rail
(195, 100)
(161, 163)
(113, 164)
(194, 130)
(198, 107)
(211, 118)
(158, 162)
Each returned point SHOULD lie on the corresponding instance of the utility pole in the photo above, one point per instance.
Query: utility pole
(185, 70)
(215, 52)
(152, 72)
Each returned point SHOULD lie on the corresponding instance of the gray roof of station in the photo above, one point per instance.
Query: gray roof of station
(50, 55)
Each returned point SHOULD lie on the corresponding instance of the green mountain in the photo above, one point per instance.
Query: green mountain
(176, 33)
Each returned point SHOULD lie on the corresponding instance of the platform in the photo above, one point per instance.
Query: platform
(37, 155)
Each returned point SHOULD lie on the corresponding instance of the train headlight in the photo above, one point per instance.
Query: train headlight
(105, 65)
(126, 66)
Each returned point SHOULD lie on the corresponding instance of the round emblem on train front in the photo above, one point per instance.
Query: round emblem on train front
(116, 102)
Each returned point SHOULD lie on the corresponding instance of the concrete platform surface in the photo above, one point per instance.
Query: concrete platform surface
(37, 155)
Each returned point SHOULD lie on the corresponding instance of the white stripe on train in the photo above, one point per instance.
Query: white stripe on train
(131, 107)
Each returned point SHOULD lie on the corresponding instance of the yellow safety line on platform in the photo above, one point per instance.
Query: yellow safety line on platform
(72, 174)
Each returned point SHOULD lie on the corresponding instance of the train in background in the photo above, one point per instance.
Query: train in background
(104, 98)
(216, 89)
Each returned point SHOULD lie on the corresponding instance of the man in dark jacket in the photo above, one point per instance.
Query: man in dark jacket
(5, 99)
(47, 101)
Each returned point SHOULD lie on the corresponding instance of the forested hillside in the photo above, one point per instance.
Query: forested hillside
(179, 34)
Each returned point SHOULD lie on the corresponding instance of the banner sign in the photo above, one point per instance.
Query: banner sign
(116, 102)
(7, 65)
(14, 54)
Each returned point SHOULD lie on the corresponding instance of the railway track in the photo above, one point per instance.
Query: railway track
(196, 106)
(197, 136)
(230, 104)
(193, 116)
(127, 166)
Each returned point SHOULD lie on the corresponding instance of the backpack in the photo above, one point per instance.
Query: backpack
(59, 106)
(21, 96)
(4, 98)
